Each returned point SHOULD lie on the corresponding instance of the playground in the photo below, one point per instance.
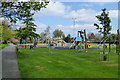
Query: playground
(78, 60)
(38, 63)
(65, 40)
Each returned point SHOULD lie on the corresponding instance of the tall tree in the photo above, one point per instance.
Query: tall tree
(106, 27)
(22, 11)
(7, 32)
(58, 33)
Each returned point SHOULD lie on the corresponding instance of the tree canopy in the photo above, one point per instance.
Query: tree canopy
(105, 22)
(58, 33)
(22, 11)
(7, 32)
(68, 38)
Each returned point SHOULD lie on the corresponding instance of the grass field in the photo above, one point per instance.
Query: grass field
(38, 63)
(3, 46)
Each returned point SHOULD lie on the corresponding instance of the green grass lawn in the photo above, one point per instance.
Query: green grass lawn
(3, 46)
(38, 63)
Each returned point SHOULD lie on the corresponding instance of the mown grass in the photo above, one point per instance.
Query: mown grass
(39, 63)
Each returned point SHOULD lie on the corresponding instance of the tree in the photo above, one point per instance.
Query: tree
(99, 36)
(106, 28)
(22, 11)
(7, 32)
(68, 38)
(47, 32)
(21, 34)
(113, 37)
(43, 35)
(58, 33)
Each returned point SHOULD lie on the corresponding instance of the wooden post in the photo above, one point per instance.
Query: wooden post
(118, 41)
(85, 41)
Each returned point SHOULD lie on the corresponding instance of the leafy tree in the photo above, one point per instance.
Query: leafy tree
(43, 35)
(113, 37)
(106, 28)
(58, 33)
(7, 32)
(68, 38)
(47, 31)
(22, 11)
(21, 34)
(1, 30)
(36, 36)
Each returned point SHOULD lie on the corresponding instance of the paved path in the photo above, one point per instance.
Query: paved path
(9, 63)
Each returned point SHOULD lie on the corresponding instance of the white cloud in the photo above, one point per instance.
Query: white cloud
(87, 0)
(83, 15)
(86, 5)
(53, 9)
(40, 27)
(113, 14)
(60, 26)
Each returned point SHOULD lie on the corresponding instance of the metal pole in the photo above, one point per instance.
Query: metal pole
(49, 46)
(49, 49)
(73, 26)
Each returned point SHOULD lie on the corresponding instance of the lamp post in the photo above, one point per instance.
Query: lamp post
(74, 20)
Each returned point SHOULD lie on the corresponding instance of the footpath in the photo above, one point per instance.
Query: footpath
(9, 63)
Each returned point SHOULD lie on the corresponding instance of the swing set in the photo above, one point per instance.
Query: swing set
(107, 52)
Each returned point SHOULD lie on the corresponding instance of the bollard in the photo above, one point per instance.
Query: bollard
(17, 49)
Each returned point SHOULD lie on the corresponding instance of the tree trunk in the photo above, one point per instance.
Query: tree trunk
(104, 58)
(20, 41)
(30, 39)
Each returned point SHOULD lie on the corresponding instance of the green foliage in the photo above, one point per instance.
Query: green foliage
(21, 33)
(58, 33)
(5, 45)
(105, 22)
(22, 11)
(68, 38)
(106, 28)
(7, 32)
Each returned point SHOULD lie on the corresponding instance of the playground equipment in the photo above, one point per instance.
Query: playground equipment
(80, 42)
(107, 52)
(57, 41)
